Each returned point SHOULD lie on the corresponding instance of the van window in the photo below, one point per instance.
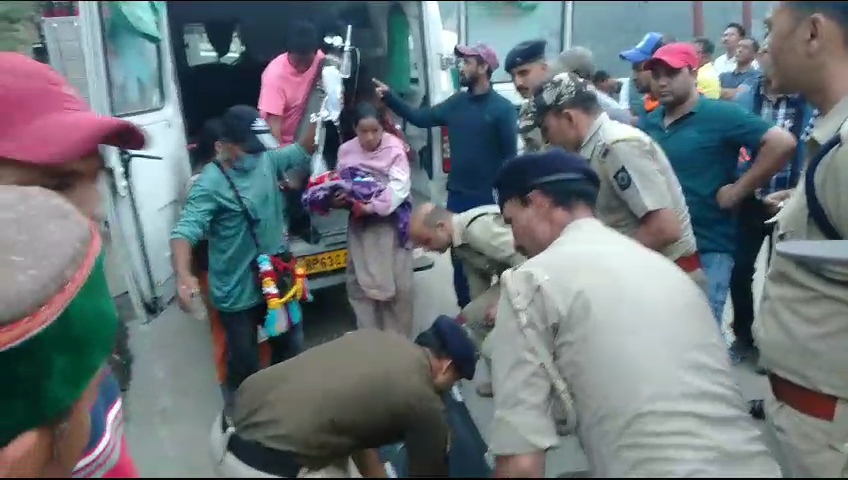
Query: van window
(132, 43)
(502, 25)
(199, 49)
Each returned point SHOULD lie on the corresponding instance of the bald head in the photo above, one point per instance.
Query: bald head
(431, 227)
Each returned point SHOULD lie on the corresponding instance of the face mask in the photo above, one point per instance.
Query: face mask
(246, 163)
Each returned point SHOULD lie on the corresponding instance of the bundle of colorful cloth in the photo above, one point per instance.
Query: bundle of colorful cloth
(359, 186)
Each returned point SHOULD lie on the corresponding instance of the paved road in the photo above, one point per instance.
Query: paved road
(174, 396)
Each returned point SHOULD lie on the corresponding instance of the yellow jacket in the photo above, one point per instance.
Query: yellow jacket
(708, 82)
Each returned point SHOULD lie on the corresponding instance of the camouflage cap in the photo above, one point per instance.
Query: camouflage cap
(558, 92)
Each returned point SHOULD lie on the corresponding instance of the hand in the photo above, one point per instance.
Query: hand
(774, 201)
(728, 196)
(491, 315)
(382, 88)
(187, 289)
(340, 200)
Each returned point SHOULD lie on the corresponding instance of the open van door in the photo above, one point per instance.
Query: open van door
(130, 75)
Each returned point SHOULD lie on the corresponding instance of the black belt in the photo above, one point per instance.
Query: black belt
(281, 463)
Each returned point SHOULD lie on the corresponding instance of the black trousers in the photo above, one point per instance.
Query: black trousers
(751, 232)
(243, 349)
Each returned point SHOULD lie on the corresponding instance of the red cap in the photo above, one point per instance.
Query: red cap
(44, 121)
(480, 50)
(675, 55)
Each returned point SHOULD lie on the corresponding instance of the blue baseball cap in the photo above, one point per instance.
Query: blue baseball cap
(644, 49)
(456, 344)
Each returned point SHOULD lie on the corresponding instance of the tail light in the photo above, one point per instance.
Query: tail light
(446, 156)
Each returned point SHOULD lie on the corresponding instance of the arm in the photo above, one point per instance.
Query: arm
(272, 100)
(275, 123)
(633, 169)
(522, 428)
(492, 237)
(425, 117)
(508, 131)
(774, 147)
(830, 189)
(193, 225)
(398, 189)
(368, 463)
(426, 439)
(292, 156)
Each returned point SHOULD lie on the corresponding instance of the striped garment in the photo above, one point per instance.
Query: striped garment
(106, 455)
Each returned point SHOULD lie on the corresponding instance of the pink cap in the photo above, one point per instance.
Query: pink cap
(675, 55)
(480, 50)
(44, 121)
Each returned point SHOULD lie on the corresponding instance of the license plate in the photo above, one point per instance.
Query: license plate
(324, 262)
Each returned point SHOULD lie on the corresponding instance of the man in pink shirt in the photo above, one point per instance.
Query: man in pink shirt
(288, 80)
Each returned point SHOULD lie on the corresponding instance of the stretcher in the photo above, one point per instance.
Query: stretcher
(468, 455)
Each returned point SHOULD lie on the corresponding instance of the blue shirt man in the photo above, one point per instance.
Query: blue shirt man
(482, 129)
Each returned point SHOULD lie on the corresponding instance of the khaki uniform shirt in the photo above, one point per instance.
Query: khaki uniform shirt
(367, 389)
(802, 326)
(484, 245)
(636, 179)
(645, 365)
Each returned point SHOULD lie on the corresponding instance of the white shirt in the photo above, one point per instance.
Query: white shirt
(727, 63)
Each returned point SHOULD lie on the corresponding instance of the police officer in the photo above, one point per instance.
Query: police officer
(639, 195)
(528, 68)
(343, 400)
(597, 317)
(481, 240)
(801, 329)
(527, 65)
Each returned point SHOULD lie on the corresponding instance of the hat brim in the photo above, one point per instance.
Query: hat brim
(67, 136)
(465, 51)
(671, 62)
(633, 56)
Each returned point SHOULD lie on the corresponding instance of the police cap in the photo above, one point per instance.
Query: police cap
(524, 53)
(452, 339)
(563, 91)
(520, 175)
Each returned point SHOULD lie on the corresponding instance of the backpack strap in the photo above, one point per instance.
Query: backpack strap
(251, 222)
(815, 207)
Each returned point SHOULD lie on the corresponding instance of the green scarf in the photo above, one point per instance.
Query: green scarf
(43, 377)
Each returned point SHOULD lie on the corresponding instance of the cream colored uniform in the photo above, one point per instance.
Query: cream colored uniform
(484, 245)
(802, 326)
(642, 360)
(636, 179)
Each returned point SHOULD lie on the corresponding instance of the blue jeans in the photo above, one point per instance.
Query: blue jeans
(717, 268)
(459, 202)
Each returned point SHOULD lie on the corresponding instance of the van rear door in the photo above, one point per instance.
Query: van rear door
(131, 75)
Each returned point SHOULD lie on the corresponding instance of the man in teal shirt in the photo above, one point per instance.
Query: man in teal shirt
(702, 138)
(249, 165)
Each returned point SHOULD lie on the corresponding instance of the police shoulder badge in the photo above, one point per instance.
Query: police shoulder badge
(622, 178)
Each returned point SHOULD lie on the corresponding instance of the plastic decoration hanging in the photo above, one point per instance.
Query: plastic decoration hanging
(284, 310)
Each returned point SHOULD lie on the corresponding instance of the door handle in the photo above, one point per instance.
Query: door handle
(127, 156)
(120, 169)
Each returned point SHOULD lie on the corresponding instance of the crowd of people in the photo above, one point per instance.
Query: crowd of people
(591, 270)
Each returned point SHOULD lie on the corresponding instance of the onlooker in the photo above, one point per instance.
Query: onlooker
(605, 83)
(736, 80)
(733, 33)
(579, 60)
(702, 138)
(646, 102)
(57, 328)
(236, 203)
(288, 80)
(528, 67)
(791, 113)
(482, 130)
(36, 103)
(708, 82)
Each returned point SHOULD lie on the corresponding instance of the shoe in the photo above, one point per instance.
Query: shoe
(485, 390)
